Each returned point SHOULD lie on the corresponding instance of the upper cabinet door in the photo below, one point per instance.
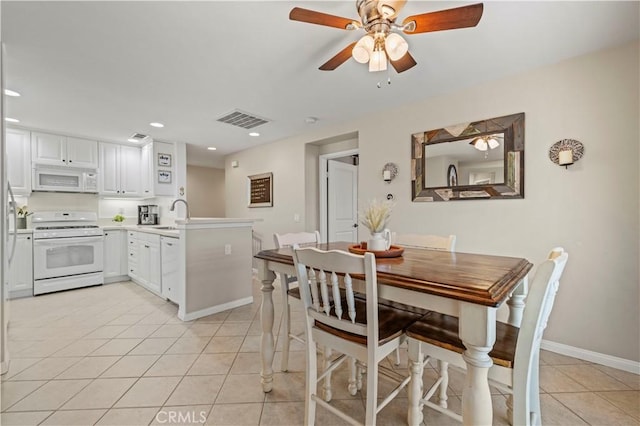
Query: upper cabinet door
(109, 173)
(19, 161)
(130, 180)
(48, 149)
(82, 153)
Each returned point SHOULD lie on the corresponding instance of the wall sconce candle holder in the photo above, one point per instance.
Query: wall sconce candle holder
(566, 152)
(389, 172)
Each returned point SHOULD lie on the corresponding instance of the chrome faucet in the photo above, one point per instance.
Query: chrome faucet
(173, 206)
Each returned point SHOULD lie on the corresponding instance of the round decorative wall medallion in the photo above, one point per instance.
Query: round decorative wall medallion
(563, 145)
(392, 168)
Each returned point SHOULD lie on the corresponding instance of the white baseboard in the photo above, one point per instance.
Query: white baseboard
(214, 309)
(596, 357)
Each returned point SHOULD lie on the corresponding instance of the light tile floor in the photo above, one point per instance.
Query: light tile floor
(118, 355)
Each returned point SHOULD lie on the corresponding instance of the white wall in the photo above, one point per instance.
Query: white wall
(591, 209)
(206, 191)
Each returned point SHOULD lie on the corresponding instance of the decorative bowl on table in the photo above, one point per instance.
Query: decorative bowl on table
(394, 251)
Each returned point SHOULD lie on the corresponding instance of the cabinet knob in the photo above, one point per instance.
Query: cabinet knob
(71, 161)
(28, 238)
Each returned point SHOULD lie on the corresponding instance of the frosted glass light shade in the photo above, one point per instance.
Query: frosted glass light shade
(493, 143)
(378, 61)
(480, 144)
(362, 50)
(395, 46)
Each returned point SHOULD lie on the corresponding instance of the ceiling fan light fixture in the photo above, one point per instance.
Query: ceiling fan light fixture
(362, 50)
(396, 46)
(378, 61)
(479, 143)
(493, 142)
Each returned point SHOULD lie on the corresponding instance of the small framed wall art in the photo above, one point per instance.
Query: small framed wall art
(164, 160)
(164, 176)
(261, 190)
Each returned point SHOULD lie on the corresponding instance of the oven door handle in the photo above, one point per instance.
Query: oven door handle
(68, 241)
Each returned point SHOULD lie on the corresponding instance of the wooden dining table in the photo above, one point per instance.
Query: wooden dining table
(469, 286)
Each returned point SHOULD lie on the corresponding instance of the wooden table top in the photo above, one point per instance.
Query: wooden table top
(475, 278)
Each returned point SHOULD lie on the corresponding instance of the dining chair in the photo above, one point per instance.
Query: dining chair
(515, 353)
(357, 328)
(281, 241)
(431, 242)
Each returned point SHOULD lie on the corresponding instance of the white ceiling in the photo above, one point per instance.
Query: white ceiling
(108, 69)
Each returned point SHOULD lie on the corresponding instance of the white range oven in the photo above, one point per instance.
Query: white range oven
(67, 251)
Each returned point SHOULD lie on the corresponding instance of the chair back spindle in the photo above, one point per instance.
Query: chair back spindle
(320, 286)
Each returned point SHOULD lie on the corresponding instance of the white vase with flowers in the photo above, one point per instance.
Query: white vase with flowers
(375, 217)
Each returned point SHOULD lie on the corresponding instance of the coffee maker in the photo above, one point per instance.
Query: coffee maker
(148, 215)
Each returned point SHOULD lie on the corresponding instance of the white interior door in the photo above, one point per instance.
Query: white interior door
(342, 201)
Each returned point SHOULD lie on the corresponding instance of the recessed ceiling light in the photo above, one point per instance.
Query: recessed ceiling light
(311, 120)
(212, 148)
(132, 140)
(11, 120)
(254, 134)
(154, 124)
(11, 93)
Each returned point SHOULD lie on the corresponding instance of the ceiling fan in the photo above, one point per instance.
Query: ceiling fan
(382, 41)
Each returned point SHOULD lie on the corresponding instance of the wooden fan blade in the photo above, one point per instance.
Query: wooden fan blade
(319, 18)
(459, 17)
(339, 59)
(404, 63)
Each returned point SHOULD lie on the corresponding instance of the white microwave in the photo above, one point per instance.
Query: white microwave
(64, 180)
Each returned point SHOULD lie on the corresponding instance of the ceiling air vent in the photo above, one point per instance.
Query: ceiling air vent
(242, 119)
(138, 137)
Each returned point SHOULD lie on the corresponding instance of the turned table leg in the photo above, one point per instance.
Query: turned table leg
(516, 302)
(478, 334)
(267, 277)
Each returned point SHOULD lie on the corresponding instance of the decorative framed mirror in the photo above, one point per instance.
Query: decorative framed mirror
(487, 157)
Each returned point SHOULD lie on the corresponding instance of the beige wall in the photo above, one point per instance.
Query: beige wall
(591, 209)
(205, 191)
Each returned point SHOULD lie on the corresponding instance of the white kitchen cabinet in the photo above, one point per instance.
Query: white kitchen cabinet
(132, 255)
(146, 170)
(21, 268)
(170, 268)
(19, 161)
(144, 260)
(119, 173)
(152, 167)
(115, 255)
(56, 150)
(82, 153)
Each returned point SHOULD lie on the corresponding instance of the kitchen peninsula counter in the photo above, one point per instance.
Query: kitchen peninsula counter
(215, 264)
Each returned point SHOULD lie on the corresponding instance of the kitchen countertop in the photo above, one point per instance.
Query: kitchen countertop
(150, 229)
(24, 231)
